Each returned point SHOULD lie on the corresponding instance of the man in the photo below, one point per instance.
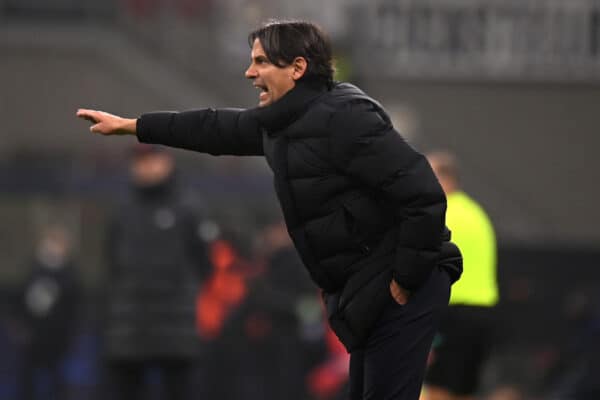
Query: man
(465, 331)
(364, 209)
(156, 262)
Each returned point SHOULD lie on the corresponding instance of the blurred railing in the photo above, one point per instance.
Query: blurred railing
(552, 40)
(478, 39)
(209, 35)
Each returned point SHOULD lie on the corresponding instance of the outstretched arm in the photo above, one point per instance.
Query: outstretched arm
(224, 131)
(108, 124)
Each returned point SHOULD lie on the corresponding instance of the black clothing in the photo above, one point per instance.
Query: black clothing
(49, 303)
(50, 299)
(156, 262)
(463, 343)
(392, 364)
(283, 324)
(360, 204)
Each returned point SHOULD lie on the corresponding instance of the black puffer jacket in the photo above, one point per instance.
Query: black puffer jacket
(360, 204)
(157, 262)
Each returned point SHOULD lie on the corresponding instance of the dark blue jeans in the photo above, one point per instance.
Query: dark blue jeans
(391, 366)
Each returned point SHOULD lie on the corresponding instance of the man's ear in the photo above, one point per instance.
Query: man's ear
(300, 65)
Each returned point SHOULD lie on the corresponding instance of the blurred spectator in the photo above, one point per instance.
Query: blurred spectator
(49, 314)
(157, 260)
(220, 306)
(282, 322)
(264, 319)
(224, 291)
(465, 334)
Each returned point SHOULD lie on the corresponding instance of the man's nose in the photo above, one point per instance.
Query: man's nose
(250, 73)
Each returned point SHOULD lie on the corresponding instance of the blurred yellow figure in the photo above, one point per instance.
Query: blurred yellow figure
(465, 334)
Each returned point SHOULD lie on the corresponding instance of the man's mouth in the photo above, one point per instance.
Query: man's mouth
(262, 89)
(263, 92)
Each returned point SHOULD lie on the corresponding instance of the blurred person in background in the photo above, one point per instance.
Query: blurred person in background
(466, 331)
(362, 207)
(281, 321)
(157, 260)
(49, 308)
(219, 309)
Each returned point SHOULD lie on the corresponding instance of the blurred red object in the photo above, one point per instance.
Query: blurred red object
(222, 292)
(327, 380)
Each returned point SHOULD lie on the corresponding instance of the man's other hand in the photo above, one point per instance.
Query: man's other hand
(399, 294)
(108, 124)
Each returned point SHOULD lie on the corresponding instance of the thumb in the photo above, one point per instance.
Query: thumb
(95, 128)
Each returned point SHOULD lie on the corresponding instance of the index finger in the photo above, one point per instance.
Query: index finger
(89, 115)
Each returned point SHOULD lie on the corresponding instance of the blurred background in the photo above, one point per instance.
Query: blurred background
(512, 87)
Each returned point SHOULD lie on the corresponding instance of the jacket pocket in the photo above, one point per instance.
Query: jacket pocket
(355, 319)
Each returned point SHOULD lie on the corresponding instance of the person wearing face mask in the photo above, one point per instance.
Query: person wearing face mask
(362, 207)
(157, 260)
(49, 301)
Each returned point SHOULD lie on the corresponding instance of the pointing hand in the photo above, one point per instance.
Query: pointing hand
(108, 124)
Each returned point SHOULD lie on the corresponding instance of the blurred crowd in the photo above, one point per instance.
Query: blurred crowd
(188, 309)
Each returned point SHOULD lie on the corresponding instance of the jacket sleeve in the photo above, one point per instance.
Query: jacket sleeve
(214, 131)
(366, 147)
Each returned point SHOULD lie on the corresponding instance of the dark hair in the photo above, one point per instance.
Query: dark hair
(284, 40)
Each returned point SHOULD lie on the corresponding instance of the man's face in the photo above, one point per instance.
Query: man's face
(151, 169)
(272, 81)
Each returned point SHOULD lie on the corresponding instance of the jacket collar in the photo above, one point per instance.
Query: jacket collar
(290, 107)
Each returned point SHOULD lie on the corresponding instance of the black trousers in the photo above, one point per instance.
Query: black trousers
(465, 339)
(391, 366)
